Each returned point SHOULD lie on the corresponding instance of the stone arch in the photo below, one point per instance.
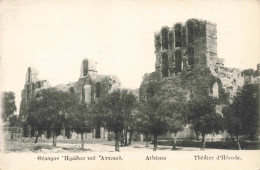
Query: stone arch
(164, 33)
(191, 56)
(38, 84)
(157, 42)
(72, 90)
(83, 94)
(85, 67)
(27, 91)
(177, 31)
(37, 95)
(33, 87)
(165, 65)
(97, 88)
(215, 90)
(170, 39)
(178, 61)
(190, 32)
(29, 74)
(86, 93)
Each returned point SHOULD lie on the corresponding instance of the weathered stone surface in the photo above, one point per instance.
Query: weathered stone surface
(192, 47)
(88, 88)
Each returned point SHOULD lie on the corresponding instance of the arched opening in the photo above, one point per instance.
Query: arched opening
(72, 90)
(164, 38)
(98, 90)
(149, 92)
(86, 93)
(85, 67)
(165, 65)
(215, 92)
(178, 61)
(29, 74)
(33, 87)
(27, 91)
(190, 31)
(190, 56)
(177, 35)
(37, 95)
(83, 94)
(39, 84)
(170, 40)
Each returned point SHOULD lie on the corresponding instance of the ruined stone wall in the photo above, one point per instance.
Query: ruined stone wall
(91, 85)
(88, 88)
(187, 47)
(187, 64)
(183, 45)
(180, 50)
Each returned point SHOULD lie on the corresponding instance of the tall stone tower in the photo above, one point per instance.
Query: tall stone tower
(88, 67)
(182, 46)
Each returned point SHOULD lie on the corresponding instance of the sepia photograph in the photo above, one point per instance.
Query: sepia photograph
(92, 81)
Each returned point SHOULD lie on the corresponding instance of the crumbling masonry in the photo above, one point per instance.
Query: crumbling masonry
(185, 48)
(89, 87)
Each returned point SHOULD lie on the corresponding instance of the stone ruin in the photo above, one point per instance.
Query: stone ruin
(89, 87)
(181, 48)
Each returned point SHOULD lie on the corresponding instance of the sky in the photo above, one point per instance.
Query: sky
(55, 35)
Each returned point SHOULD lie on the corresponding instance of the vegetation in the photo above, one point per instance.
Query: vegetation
(156, 115)
(242, 116)
(80, 120)
(49, 110)
(203, 117)
(8, 103)
(117, 109)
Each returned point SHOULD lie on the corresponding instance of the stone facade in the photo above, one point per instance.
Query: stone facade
(89, 87)
(185, 48)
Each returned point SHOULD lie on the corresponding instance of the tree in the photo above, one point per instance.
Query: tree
(8, 104)
(242, 116)
(99, 108)
(115, 112)
(48, 110)
(142, 122)
(36, 115)
(128, 106)
(14, 120)
(156, 116)
(114, 119)
(176, 120)
(203, 117)
(81, 120)
(176, 106)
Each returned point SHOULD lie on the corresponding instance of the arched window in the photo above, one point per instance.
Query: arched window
(190, 31)
(170, 40)
(85, 67)
(86, 93)
(191, 56)
(28, 91)
(29, 74)
(177, 35)
(98, 90)
(83, 94)
(72, 90)
(178, 61)
(39, 84)
(165, 65)
(33, 87)
(164, 38)
(37, 95)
